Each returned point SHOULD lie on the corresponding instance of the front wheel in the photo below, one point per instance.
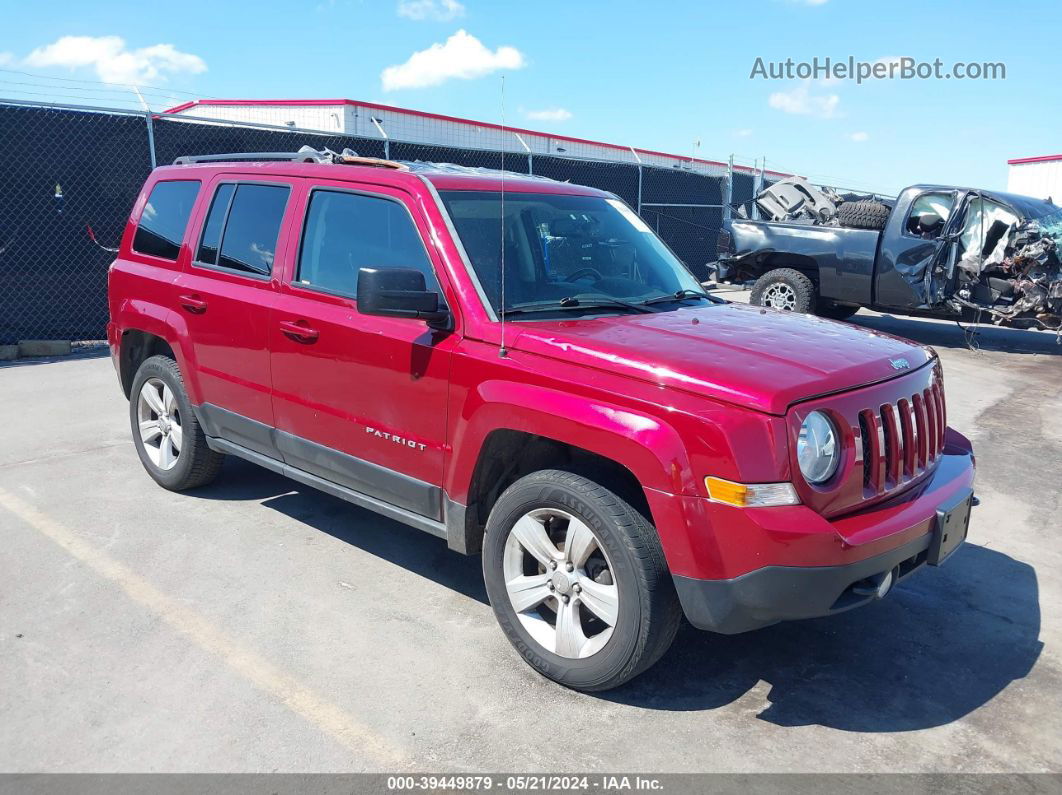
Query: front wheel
(578, 581)
(786, 289)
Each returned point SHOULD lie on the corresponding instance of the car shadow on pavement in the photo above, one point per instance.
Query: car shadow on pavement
(950, 335)
(943, 643)
(412, 549)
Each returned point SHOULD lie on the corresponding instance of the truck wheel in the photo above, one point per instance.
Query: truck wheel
(784, 288)
(863, 215)
(578, 581)
(168, 439)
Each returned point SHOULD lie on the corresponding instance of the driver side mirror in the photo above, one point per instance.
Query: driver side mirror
(400, 292)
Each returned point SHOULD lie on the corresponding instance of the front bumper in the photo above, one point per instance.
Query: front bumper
(784, 593)
(861, 558)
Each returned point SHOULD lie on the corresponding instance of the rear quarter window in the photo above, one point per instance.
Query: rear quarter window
(165, 218)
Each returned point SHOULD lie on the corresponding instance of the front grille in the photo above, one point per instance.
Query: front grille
(901, 440)
(864, 435)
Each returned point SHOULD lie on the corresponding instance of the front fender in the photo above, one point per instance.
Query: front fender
(650, 448)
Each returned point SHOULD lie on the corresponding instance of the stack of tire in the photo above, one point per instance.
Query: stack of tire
(796, 290)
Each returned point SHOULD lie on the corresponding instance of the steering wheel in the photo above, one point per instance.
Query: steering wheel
(571, 277)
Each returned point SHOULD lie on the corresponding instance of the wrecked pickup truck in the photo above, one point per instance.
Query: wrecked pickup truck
(935, 251)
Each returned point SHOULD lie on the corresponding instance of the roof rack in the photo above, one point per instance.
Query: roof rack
(305, 155)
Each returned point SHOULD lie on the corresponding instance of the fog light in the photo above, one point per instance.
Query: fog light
(750, 495)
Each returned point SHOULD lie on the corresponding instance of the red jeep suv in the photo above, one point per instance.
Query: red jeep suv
(522, 368)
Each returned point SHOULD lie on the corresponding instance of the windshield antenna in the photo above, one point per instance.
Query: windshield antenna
(501, 240)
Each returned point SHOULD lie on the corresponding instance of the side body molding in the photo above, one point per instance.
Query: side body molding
(321, 466)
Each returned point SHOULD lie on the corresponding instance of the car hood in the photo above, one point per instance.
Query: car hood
(761, 358)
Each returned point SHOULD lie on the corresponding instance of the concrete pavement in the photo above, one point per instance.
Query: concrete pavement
(256, 625)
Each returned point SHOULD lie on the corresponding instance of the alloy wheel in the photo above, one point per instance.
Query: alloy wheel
(159, 423)
(780, 296)
(560, 583)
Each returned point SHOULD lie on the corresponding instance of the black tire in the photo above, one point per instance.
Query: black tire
(640, 635)
(196, 464)
(836, 311)
(865, 214)
(792, 285)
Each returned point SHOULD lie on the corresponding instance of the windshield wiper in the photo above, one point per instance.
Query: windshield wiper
(571, 302)
(681, 295)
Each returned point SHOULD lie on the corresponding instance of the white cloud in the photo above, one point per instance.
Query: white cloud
(549, 114)
(461, 56)
(859, 136)
(892, 63)
(744, 132)
(113, 62)
(800, 101)
(439, 10)
(6, 58)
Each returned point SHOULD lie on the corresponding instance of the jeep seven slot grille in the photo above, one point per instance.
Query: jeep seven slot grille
(901, 440)
(868, 454)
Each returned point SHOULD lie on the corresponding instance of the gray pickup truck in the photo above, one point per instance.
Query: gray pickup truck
(936, 251)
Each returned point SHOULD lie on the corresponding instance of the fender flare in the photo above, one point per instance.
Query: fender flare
(151, 318)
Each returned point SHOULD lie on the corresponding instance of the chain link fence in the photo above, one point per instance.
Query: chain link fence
(69, 176)
(65, 178)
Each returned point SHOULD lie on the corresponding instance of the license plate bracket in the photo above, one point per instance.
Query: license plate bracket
(950, 528)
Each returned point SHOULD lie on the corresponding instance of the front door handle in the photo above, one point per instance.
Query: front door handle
(193, 303)
(299, 331)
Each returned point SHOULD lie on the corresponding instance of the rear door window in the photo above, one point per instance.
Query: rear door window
(165, 218)
(219, 209)
(242, 228)
(929, 214)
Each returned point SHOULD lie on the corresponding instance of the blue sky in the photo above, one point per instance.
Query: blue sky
(660, 76)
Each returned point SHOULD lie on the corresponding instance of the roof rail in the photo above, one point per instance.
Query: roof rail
(305, 155)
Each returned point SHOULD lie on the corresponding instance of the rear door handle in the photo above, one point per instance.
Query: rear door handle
(299, 331)
(193, 303)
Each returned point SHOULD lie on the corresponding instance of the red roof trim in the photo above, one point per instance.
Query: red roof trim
(458, 120)
(1041, 159)
(183, 106)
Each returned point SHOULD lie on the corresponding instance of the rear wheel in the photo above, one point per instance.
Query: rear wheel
(578, 581)
(167, 435)
(785, 289)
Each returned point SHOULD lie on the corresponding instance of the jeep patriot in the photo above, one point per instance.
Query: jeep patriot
(522, 368)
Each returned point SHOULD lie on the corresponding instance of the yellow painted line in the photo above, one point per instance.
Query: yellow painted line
(299, 698)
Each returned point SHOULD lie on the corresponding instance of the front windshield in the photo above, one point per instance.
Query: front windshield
(1030, 208)
(559, 247)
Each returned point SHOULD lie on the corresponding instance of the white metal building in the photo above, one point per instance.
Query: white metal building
(1040, 177)
(372, 120)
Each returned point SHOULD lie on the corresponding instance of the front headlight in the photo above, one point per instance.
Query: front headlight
(818, 448)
